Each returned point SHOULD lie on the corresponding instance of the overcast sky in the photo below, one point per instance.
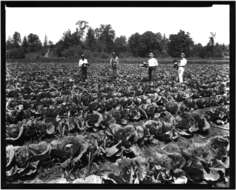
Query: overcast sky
(53, 22)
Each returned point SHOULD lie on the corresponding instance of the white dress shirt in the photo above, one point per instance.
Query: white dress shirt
(82, 62)
(152, 62)
(182, 62)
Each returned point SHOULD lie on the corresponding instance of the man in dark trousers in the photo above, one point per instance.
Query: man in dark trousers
(83, 64)
(152, 63)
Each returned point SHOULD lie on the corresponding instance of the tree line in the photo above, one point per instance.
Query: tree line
(101, 41)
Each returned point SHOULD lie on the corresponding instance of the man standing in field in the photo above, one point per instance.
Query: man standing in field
(181, 65)
(114, 62)
(152, 63)
(83, 64)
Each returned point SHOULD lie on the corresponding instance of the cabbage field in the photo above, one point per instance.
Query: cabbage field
(123, 131)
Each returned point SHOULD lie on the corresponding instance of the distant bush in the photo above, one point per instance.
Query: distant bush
(33, 55)
(72, 52)
(15, 53)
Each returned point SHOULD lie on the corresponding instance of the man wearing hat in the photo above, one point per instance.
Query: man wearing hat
(181, 65)
(83, 64)
(152, 63)
(114, 62)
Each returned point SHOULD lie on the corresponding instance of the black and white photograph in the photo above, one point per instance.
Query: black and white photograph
(117, 95)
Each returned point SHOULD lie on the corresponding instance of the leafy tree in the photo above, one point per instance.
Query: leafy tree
(218, 50)
(82, 26)
(16, 39)
(34, 43)
(196, 51)
(64, 43)
(59, 48)
(150, 42)
(180, 42)
(90, 40)
(120, 44)
(140, 45)
(106, 35)
(134, 44)
(206, 51)
(68, 40)
(25, 45)
(13, 46)
(9, 43)
(76, 37)
(14, 42)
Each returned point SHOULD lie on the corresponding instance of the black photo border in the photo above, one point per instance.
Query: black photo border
(117, 4)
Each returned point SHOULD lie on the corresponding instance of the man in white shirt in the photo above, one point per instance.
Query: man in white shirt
(83, 63)
(114, 62)
(152, 63)
(181, 65)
